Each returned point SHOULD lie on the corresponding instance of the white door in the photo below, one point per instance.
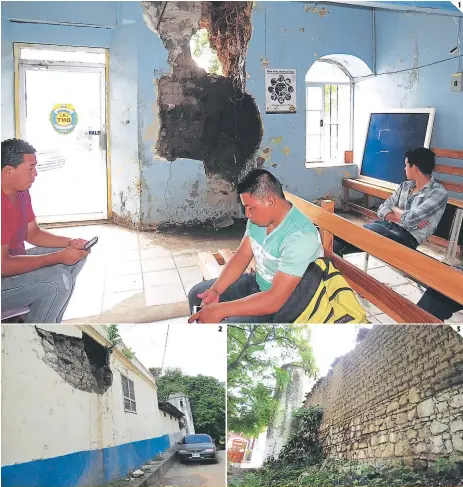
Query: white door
(63, 116)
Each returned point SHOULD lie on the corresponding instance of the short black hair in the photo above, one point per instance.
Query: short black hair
(259, 183)
(424, 159)
(14, 150)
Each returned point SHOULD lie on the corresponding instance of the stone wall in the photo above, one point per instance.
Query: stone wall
(397, 396)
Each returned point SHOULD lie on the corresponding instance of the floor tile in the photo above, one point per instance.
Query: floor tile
(186, 260)
(383, 318)
(188, 286)
(124, 283)
(387, 276)
(111, 300)
(154, 253)
(166, 294)
(409, 291)
(159, 264)
(188, 274)
(160, 278)
(370, 308)
(124, 268)
(125, 255)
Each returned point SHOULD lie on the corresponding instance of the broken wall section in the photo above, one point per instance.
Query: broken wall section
(199, 116)
(398, 396)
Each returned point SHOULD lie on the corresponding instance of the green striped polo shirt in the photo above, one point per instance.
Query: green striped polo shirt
(290, 248)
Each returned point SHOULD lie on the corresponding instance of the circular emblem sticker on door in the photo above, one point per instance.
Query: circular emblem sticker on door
(63, 118)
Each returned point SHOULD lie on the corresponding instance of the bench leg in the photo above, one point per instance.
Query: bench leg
(452, 249)
(365, 262)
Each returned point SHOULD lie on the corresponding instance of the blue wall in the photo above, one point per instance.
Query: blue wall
(150, 190)
(85, 468)
(292, 35)
(405, 41)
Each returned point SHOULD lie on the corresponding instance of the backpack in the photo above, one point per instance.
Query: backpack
(322, 296)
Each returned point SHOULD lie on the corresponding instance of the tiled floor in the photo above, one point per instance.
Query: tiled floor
(125, 264)
(128, 268)
(400, 284)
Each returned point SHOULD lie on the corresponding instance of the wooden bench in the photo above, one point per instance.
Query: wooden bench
(427, 270)
(424, 269)
(448, 232)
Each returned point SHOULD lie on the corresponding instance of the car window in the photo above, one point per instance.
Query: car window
(197, 439)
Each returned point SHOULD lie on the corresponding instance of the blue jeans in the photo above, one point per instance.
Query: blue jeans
(386, 229)
(244, 286)
(46, 291)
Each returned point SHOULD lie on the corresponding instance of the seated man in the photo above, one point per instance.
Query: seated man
(438, 304)
(43, 277)
(283, 241)
(411, 214)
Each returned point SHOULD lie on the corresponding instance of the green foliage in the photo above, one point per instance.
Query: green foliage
(206, 395)
(255, 354)
(113, 335)
(335, 472)
(128, 352)
(202, 48)
(303, 446)
(115, 339)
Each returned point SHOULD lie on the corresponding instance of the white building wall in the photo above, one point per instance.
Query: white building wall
(43, 416)
(170, 424)
(182, 403)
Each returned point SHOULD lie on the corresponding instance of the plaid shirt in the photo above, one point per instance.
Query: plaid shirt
(427, 204)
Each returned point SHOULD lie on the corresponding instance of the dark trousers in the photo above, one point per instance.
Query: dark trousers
(438, 305)
(386, 229)
(243, 287)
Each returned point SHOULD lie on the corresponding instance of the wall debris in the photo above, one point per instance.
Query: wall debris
(82, 362)
(203, 116)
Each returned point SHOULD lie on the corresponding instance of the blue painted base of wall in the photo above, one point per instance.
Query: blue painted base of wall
(86, 468)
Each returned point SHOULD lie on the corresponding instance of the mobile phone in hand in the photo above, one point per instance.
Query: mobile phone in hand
(90, 244)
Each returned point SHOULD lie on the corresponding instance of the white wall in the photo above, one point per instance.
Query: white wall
(182, 403)
(170, 425)
(43, 416)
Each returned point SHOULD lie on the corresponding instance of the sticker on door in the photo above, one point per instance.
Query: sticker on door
(63, 118)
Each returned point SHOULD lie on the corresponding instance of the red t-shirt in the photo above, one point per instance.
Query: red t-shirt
(15, 220)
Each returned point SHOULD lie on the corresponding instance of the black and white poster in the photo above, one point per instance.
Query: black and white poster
(280, 91)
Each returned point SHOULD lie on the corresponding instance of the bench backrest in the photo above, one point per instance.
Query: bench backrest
(422, 268)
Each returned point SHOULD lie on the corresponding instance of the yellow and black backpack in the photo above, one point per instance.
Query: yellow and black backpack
(322, 296)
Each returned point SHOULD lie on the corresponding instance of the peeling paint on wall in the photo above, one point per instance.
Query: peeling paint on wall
(321, 12)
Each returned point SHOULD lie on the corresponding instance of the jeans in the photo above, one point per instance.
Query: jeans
(386, 229)
(438, 304)
(246, 285)
(46, 291)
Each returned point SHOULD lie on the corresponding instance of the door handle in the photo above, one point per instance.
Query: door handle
(103, 140)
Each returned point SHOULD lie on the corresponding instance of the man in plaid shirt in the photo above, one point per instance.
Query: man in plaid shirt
(411, 214)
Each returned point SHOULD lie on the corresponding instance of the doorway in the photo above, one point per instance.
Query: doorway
(61, 110)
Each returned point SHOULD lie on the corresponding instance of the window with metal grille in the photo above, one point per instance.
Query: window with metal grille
(128, 393)
(328, 113)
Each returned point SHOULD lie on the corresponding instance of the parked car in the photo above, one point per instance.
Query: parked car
(197, 447)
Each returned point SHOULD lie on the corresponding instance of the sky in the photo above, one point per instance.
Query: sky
(195, 349)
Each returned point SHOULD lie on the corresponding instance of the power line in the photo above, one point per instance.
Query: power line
(362, 78)
(165, 349)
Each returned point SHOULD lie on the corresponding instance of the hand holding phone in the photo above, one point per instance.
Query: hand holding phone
(90, 244)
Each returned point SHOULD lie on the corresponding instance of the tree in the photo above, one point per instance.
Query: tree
(255, 356)
(206, 395)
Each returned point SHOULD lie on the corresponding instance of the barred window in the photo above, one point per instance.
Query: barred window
(128, 393)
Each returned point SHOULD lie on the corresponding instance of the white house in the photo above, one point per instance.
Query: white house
(75, 410)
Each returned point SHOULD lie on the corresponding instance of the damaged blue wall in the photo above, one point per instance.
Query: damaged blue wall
(407, 40)
(149, 190)
(295, 35)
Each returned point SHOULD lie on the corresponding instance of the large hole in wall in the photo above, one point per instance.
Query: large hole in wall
(203, 54)
(81, 362)
(205, 116)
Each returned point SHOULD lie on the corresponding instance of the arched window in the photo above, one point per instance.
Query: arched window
(328, 112)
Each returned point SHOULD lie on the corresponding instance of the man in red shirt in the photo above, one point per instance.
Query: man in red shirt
(44, 276)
